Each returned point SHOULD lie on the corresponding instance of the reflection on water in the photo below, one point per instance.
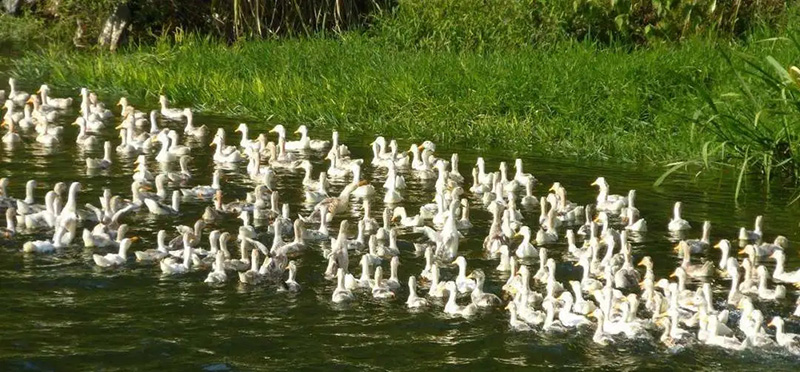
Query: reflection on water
(64, 311)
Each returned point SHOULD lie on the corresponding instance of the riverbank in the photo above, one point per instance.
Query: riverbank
(573, 99)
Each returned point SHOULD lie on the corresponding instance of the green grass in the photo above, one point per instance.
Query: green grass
(573, 99)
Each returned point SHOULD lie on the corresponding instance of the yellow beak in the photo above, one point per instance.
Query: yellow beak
(594, 183)
(742, 251)
(296, 131)
(770, 324)
(672, 275)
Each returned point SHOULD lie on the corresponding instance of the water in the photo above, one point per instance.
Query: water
(62, 312)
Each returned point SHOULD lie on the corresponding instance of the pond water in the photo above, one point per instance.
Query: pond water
(63, 312)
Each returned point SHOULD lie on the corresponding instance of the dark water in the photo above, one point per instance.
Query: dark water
(61, 312)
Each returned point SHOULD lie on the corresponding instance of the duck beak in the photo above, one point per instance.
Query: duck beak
(134, 239)
(38, 91)
(593, 183)
(296, 131)
(272, 130)
(641, 263)
(677, 247)
(363, 182)
(3, 124)
(118, 127)
(420, 147)
(672, 275)
(717, 246)
(30, 100)
(770, 324)
(742, 251)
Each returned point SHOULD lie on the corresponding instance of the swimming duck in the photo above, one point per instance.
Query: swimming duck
(18, 97)
(677, 223)
(155, 254)
(605, 201)
(453, 308)
(220, 156)
(11, 137)
(525, 248)
(57, 103)
(204, 191)
(252, 276)
(478, 296)
(752, 235)
(790, 341)
(463, 283)
(103, 163)
(635, 224)
(779, 274)
(190, 129)
(765, 293)
(306, 143)
(217, 275)
(697, 246)
(341, 294)
(379, 288)
(46, 246)
(169, 266)
(115, 259)
(158, 208)
(168, 112)
(696, 271)
(414, 301)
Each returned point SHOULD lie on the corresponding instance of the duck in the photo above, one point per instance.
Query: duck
(478, 296)
(168, 112)
(252, 276)
(190, 129)
(11, 137)
(46, 246)
(789, 341)
(220, 155)
(169, 266)
(115, 259)
(158, 208)
(765, 293)
(400, 215)
(462, 282)
(18, 97)
(514, 322)
(677, 223)
(306, 143)
(697, 246)
(437, 288)
(635, 224)
(525, 248)
(57, 103)
(380, 289)
(217, 275)
(205, 191)
(105, 162)
(752, 235)
(341, 294)
(453, 308)
(155, 254)
(779, 274)
(291, 284)
(123, 104)
(608, 202)
(600, 336)
(414, 301)
(696, 271)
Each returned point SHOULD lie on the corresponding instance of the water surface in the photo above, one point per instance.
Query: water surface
(62, 312)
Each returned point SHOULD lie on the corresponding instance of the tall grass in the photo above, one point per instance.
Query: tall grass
(756, 121)
(575, 99)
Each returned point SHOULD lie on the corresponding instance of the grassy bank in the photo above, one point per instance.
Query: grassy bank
(572, 99)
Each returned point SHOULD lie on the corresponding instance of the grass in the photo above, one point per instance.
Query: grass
(574, 99)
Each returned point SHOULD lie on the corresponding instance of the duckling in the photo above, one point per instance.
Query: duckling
(115, 259)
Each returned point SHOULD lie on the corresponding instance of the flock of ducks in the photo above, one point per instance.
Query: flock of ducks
(612, 296)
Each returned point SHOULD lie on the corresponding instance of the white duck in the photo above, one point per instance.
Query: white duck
(115, 259)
